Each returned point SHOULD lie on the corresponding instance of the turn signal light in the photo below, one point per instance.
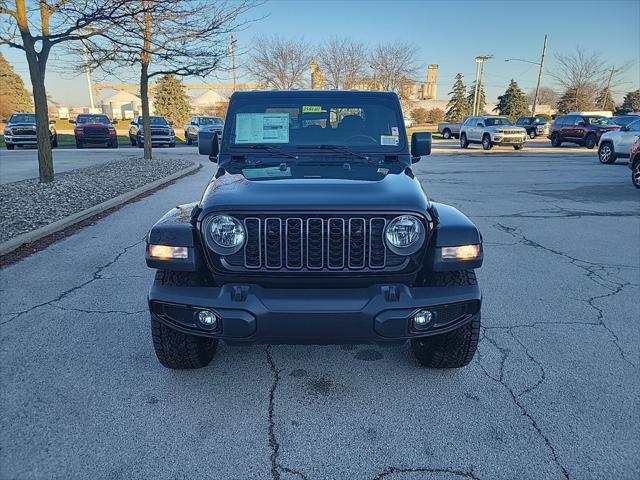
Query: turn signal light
(167, 252)
(461, 252)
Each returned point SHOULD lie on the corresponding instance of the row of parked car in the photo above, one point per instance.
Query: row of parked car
(97, 129)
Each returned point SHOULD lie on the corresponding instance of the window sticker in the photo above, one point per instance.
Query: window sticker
(312, 109)
(267, 172)
(394, 131)
(262, 127)
(391, 140)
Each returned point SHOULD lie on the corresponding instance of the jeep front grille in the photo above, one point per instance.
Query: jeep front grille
(314, 243)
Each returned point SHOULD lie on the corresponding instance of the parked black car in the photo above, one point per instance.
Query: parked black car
(314, 230)
(20, 131)
(94, 129)
(581, 129)
(162, 132)
(535, 126)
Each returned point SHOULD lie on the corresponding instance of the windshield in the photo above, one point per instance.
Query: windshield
(370, 123)
(93, 119)
(537, 120)
(23, 118)
(155, 121)
(495, 121)
(599, 120)
(209, 121)
(624, 120)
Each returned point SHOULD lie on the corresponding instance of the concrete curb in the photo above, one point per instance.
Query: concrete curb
(28, 237)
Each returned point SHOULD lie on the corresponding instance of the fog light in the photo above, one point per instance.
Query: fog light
(422, 319)
(208, 319)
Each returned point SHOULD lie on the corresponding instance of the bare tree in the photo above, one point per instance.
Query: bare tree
(344, 62)
(394, 65)
(279, 63)
(171, 37)
(546, 96)
(35, 27)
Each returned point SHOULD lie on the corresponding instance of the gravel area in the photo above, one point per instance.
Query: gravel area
(28, 205)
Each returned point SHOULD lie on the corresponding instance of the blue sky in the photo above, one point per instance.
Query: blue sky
(450, 34)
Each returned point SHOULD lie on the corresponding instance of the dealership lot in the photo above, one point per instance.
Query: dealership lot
(553, 392)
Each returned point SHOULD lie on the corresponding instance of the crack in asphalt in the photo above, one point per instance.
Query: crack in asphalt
(96, 275)
(276, 467)
(515, 398)
(594, 271)
(459, 473)
(82, 310)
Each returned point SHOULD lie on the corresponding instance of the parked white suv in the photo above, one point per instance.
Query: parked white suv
(490, 130)
(617, 144)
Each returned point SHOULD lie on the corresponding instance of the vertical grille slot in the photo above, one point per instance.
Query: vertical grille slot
(377, 248)
(315, 232)
(357, 239)
(335, 243)
(273, 243)
(293, 243)
(252, 249)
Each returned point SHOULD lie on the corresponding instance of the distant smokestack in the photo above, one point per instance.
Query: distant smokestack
(430, 89)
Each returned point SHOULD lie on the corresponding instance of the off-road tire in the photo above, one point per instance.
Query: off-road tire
(446, 134)
(177, 350)
(486, 142)
(454, 349)
(606, 153)
(591, 141)
(464, 143)
(555, 140)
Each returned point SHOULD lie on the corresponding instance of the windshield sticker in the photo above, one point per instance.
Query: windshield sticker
(392, 140)
(262, 128)
(394, 131)
(312, 109)
(267, 172)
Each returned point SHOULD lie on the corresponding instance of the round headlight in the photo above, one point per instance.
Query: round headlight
(404, 234)
(227, 234)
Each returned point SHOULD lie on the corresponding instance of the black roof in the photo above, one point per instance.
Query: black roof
(312, 93)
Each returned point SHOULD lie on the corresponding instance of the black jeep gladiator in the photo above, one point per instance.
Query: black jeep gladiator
(315, 230)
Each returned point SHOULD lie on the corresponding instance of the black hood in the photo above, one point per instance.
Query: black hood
(391, 192)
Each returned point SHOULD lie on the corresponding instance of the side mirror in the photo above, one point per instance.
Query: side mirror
(170, 123)
(624, 129)
(114, 122)
(72, 122)
(52, 122)
(209, 144)
(480, 124)
(194, 123)
(420, 145)
(582, 124)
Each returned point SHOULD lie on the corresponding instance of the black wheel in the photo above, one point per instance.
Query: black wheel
(188, 138)
(635, 174)
(555, 140)
(446, 134)
(79, 144)
(113, 143)
(172, 145)
(132, 140)
(139, 142)
(175, 349)
(10, 147)
(486, 142)
(606, 154)
(54, 142)
(518, 147)
(591, 141)
(463, 140)
(454, 349)
(532, 134)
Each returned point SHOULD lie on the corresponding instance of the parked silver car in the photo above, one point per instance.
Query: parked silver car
(618, 143)
(490, 130)
(449, 130)
(197, 122)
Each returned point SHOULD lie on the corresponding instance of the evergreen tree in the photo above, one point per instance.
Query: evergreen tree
(171, 100)
(458, 106)
(578, 99)
(13, 96)
(605, 100)
(513, 103)
(631, 103)
(481, 96)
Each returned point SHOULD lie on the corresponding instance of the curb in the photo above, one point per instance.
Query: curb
(28, 237)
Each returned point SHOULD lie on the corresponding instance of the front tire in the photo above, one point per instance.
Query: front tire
(453, 349)
(591, 141)
(606, 154)
(446, 134)
(518, 147)
(174, 349)
(188, 138)
(555, 140)
(79, 145)
(10, 146)
(464, 143)
(635, 174)
(133, 141)
(54, 143)
(532, 134)
(486, 142)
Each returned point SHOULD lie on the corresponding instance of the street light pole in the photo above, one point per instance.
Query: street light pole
(535, 96)
(479, 70)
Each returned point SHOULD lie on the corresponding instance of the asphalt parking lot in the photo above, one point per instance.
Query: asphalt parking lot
(552, 394)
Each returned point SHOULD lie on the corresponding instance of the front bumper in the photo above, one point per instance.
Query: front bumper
(160, 139)
(20, 140)
(254, 314)
(499, 140)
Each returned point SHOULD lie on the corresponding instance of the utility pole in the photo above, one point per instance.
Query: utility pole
(535, 95)
(87, 71)
(606, 90)
(479, 70)
(232, 49)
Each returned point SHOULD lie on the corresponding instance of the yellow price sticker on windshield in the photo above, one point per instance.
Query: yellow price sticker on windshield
(312, 109)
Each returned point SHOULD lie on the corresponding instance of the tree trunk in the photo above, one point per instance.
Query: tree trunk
(146, 121)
